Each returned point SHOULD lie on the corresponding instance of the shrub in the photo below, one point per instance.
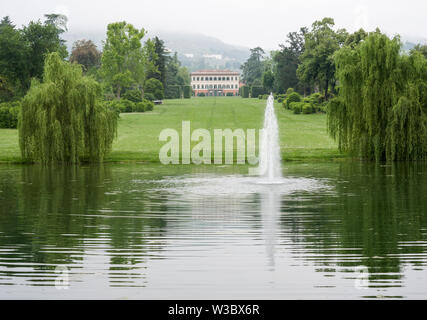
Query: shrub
(9, 114)
(149, 96)
(188, 92)
(133, 95)
(114, 105)
(127, 105)
(307, 108)
(149, 105)
(289, 91)
(230, 94)
(245, 92)
(293, 97)
(256, 91)
(173, 92)
(296, 107)
(202, 94)
(260, 97)
(280, 100)
(155, 87)
(139, 107)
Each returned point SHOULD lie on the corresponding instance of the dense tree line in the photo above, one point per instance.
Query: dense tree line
(67, 106)
(374, 93)
(124, 63)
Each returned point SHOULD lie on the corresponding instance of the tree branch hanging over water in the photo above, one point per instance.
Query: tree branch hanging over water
(381, 109)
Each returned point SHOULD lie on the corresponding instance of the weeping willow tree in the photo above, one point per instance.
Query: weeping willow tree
(61, 119)
(380, 112)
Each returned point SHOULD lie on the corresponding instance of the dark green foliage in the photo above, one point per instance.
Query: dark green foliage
(149, 96)
(14, 67)
(9, 112)
(293, 97)
(245, 92)
(176, 75)
(173, 92)
(7, 92)
(317, 63)
(128, 105)
(380, 111)
(61, 119)
(187, 92)
(268, 81)
(160, 62)
(139, 107)
(256, 91)
(287, 60)
(154, 87)
(133, 95)
(42, 39)
(230, 94)
(253, 69)
(149, 106)
(201, 94)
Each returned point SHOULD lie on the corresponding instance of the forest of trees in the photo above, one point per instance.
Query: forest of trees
(124, 63)
(67, 104)
(374, 93)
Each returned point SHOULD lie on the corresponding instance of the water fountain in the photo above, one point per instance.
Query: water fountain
(270, 161)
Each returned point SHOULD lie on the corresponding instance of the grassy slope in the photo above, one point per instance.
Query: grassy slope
(303, 137)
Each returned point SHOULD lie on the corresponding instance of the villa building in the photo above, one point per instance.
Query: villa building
(215, 82)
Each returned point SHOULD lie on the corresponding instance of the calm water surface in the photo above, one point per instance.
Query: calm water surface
(328, 231)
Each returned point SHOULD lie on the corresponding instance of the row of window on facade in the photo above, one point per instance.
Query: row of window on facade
(223, 86)
(215, 78)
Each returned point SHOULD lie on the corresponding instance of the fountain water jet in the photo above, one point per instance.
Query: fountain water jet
(270, 161)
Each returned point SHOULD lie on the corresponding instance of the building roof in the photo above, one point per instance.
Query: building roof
(215, 72)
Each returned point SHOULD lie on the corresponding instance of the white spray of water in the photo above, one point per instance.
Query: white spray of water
(270, 160)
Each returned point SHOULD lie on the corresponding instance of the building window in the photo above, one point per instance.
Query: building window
(198, 79)
(198, 86)
(194, 86)
(210, 79)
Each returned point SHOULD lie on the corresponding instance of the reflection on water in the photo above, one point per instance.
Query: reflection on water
(348, 230)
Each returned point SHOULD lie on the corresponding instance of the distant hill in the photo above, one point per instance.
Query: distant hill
(195, 51)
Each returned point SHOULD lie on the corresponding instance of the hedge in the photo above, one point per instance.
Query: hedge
(9, 114)
(244, 92)
(188, 91)
(173, 92)
(257, 91)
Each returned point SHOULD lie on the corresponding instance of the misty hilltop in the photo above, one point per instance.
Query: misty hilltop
(195, 51)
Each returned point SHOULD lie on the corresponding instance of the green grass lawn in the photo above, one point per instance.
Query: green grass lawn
(303, 137)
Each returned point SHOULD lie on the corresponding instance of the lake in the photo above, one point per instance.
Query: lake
(347, 230)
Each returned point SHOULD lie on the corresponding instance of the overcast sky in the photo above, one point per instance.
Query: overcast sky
(243, 22)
